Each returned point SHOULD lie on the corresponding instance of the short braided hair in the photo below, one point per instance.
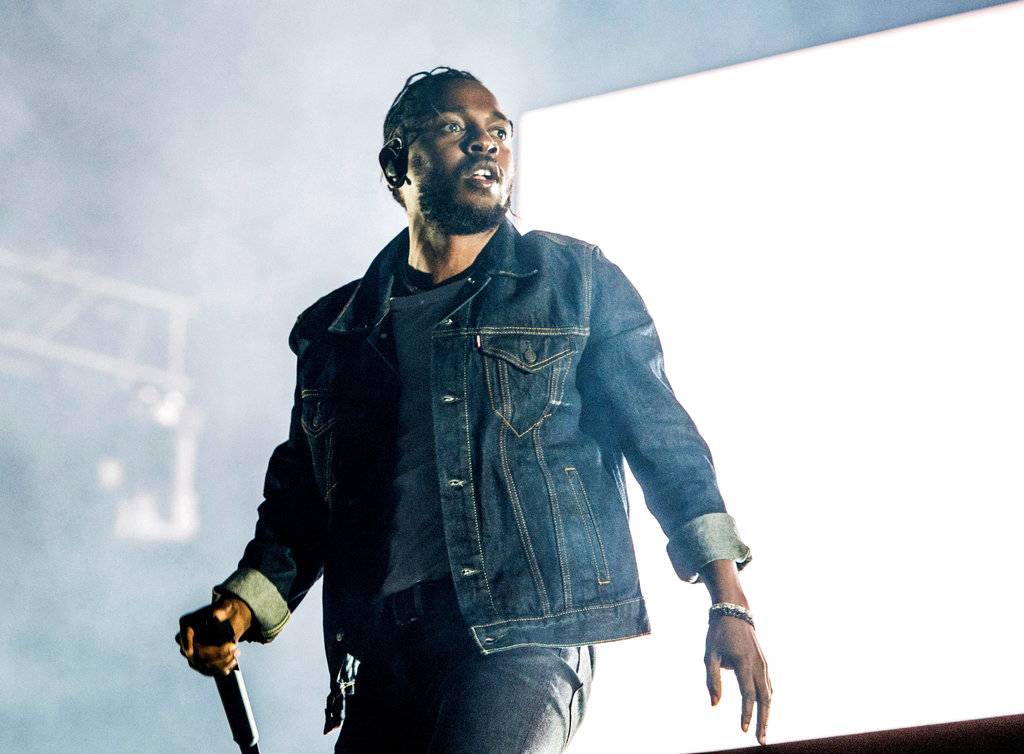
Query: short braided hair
(416, 104)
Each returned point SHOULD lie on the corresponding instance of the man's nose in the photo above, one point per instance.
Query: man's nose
(481, 142)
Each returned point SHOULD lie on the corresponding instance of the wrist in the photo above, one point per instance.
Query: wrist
(723, 583)
(730, 610)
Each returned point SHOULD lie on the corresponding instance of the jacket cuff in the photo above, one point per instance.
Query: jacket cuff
(269, 610)
(712, 536)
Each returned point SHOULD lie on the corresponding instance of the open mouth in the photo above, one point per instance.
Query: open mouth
(483, 175)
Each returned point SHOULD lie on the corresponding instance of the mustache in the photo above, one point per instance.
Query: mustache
(472, 164)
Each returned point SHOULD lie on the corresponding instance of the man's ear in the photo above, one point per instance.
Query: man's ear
(394, 162)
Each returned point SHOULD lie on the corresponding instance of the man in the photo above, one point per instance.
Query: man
(454, 468)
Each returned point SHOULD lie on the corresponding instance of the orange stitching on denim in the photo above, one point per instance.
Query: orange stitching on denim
(506, 406)
(349, 302)
(347, 305)
(512, 330)
(576, 611)
(505, 412)
(515, 359)
(472, 490)
(584, 331)
(546, 644)
(588, 281)
(513, 273)
(506, 400)
(597, 532)
(328, 472)
(524, 535)
(586, 527)
(506, 390)
(312, 430)
(556, 398)
(527, 430)
(490, 392)
(563, 557)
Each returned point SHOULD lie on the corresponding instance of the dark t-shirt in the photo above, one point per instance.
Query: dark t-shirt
(418, 551)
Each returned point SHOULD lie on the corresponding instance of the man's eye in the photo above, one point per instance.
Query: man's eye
(452, 127)
(500, 133)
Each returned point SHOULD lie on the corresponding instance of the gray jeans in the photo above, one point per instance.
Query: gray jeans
(425, 687)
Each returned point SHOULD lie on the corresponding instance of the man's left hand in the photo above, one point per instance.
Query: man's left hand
(732, 644)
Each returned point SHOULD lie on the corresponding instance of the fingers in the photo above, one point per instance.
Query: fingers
(222, 610)
(185, 638)
(733, 645)
(748, 695)
(755, 688)
(764, 702)
(763, 706)
(713, 665)
(218, 659)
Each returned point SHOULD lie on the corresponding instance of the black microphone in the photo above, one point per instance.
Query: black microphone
(210, 631)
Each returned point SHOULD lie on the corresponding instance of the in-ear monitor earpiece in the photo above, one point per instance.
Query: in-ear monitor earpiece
(394, 161)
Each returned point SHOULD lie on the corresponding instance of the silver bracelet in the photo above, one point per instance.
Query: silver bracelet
(732, 610)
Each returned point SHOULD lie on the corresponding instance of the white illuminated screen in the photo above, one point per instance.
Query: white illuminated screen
(830, 242)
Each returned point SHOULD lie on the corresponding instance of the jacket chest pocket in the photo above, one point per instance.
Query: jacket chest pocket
(525, 376)
(319, 417)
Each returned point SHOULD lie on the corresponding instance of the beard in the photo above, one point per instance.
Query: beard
(438, 201)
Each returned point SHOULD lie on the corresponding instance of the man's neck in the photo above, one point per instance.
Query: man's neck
(442, 255)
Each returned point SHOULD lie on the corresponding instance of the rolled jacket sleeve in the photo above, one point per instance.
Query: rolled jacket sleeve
(712, 536)
(269, 610)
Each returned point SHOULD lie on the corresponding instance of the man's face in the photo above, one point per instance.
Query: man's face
(460, 163)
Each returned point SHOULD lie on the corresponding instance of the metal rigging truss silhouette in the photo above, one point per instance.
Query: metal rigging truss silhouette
(54, 312)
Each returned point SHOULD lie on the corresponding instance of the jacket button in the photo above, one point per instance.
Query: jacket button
(447, 322)
(449, 398)
(456, 483)
(339, 636)
(529, 356)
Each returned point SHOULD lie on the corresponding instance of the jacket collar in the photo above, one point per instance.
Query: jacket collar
(370, 302)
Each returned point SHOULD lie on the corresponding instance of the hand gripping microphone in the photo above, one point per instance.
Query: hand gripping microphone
(210, 631)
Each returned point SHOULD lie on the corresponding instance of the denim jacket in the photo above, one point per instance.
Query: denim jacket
(544, 375)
